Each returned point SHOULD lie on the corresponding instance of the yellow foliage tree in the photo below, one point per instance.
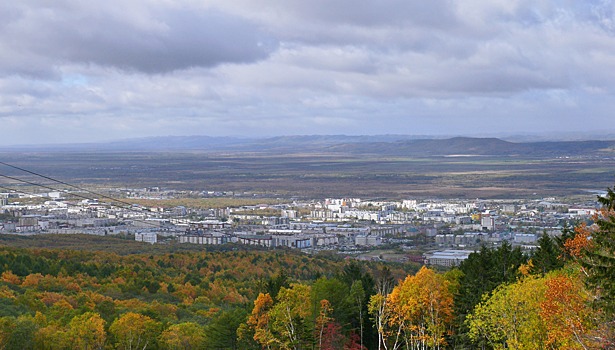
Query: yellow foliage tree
(535, 313)
(420, 309)
(509, 319)
(289, 315)
(183, 336)
(52, 337)
(134, 331)
(283, 324)
(87, 331)
(7, 324)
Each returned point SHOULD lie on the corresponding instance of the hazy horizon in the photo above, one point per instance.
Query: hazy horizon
(170, 139)
(75, 72)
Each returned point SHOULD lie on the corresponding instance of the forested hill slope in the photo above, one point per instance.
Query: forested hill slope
(88, 299)
(95, 298)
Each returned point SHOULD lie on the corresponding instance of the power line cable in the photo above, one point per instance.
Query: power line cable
(11, 190)
(38, 185)
(76, 195)
(75, 187)
(65, 183)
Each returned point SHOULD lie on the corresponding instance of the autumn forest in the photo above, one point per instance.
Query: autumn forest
(560, 296)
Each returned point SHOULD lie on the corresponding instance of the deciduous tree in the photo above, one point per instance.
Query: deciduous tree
(379, 311)
(183, 336)
(323, 320)
(134, 331)
(421, 308)
(509, 317)
(566, 313)
(356, 299)
(290, 316)
(260, 320)
(87, 331)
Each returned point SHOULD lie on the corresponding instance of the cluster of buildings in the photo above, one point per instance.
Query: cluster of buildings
(450, 228)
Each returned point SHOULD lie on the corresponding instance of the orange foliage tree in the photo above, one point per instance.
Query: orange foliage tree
(259, 320)
(566, 314)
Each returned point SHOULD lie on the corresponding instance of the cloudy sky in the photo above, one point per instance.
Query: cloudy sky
(75, 71)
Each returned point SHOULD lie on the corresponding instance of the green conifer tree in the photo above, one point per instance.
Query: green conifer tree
(599, 260)
(547, 256)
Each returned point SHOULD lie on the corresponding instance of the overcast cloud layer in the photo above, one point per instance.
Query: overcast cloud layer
(75, 71)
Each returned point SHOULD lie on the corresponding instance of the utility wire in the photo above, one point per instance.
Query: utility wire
(137, 220)
(76, 195)
(66, 184)
(38, 185)
(11, 190)
(75, 187)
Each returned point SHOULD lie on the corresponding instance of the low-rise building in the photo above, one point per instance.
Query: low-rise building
(522, 238)
(368, 240)
(449, 257)
(148, 237)
(321, 240)
(292, 241)
(211, 238)
(261, 240)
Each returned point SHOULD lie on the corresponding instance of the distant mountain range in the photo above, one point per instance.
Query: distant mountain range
(462, 146)
(394, 145)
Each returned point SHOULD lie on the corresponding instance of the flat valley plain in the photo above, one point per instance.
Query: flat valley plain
(319, 175)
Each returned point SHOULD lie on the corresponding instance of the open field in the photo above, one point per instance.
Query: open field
(322, 175)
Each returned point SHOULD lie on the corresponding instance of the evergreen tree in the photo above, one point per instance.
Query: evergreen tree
(481, 273)
(356, 299)
(353, 273)
(507, 261)
(599, 259)
(274, 283)
(336, 293)
(547, 256)
(221, 332)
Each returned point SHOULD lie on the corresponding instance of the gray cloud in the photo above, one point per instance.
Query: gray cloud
(432, 14)
(154, 39)
(117, 69)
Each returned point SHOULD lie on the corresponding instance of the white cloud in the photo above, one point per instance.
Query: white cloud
(113, 69)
